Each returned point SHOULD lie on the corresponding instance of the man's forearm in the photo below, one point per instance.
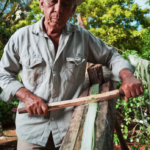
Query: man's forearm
(22, 94)
(125, 74)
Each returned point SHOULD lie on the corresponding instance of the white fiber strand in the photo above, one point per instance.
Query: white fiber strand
(88, 131)
(143, 65)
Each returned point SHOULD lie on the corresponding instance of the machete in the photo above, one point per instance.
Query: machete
(80, 101)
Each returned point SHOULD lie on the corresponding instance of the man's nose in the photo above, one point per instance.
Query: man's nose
(59, 7)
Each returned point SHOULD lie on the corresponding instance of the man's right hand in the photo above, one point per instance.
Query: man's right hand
(33, 104)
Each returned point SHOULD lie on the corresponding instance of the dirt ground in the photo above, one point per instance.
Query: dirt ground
(9, 145)
(9, 140)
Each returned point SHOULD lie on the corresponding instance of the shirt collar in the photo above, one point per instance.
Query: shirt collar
(39, 30)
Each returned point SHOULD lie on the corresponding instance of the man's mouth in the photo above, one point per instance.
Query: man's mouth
(56, 20)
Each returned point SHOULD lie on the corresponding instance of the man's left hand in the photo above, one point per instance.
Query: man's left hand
(131, 86)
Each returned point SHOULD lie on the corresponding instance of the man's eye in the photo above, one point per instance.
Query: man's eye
(52, 2)
(67, 4)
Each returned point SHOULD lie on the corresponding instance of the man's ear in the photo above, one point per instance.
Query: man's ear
(74, 10)
(41, 3)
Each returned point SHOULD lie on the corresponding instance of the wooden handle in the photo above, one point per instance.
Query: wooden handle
(80, 101)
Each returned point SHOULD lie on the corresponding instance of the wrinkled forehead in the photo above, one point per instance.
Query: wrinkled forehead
(62, 0)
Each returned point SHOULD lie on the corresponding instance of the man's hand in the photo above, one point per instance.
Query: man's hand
(131, 86)
(33, 104)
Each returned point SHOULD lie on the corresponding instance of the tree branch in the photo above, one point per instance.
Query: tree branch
(4, 7)
(81, 21)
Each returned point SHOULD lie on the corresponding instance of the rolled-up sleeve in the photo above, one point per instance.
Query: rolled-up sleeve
(100, 53)
(9, 68)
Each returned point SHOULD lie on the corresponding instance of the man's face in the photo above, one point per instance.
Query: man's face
(57, 12)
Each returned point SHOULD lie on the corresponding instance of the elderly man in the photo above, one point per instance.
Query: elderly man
(51, 56)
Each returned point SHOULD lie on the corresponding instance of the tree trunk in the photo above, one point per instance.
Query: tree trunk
(1, 129)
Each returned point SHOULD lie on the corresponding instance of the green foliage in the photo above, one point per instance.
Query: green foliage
(11, 11)
(108, 20)
(6, 109)
(148, 2)
(33, 16)
(116, 140)
(112, 22)
(9, 18)
(130, 52)
(8, 13)
(4, 36)
(146, 40)
(8, 5)
(131, 115)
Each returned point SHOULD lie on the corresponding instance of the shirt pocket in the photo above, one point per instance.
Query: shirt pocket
(33, 70)
(75, 69)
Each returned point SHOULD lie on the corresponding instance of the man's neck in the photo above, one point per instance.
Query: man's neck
(53, 33)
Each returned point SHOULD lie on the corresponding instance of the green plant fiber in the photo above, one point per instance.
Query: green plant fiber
(88, 131)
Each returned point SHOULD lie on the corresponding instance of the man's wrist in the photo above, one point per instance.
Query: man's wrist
(22, 94)
(125, 74)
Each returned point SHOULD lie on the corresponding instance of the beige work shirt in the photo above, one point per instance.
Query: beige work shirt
(52, 77)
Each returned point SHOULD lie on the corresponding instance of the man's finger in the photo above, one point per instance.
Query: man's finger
(29, 111)
(127, 93)
(126, 99)
(138, 91)
(45, 109)
(39, 111)
(133, 93)
(34, 110)
(142, 89)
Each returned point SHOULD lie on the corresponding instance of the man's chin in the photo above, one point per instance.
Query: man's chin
(56, 25)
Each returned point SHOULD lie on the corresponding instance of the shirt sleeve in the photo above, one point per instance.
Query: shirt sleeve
(9, 68)
(100, 53)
